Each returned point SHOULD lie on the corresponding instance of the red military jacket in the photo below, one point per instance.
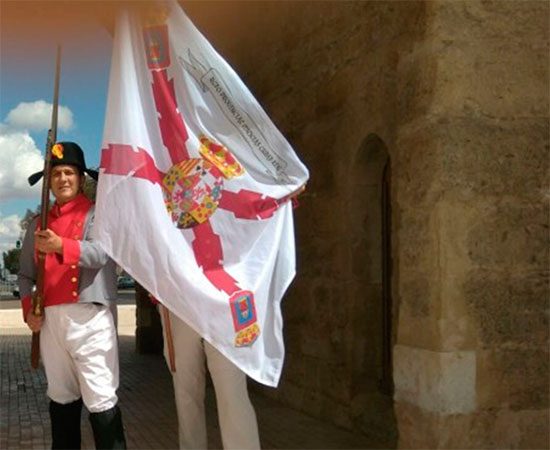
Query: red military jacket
(63, 271)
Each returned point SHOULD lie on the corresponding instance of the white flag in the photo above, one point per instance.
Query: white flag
(194, 189)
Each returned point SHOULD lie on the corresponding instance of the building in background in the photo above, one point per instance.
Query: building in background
(419, 313)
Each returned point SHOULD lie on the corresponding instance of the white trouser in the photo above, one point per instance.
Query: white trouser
(79, 349)
(238, 425)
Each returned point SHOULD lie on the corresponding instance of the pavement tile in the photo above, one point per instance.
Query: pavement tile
(146, 401)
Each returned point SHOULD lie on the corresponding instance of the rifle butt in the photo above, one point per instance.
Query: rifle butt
(35, 350)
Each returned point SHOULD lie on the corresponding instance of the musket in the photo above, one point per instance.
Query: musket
(38, 296)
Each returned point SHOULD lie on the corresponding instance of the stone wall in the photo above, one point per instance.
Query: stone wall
(457, 95)
(327, 74)
(471, 364)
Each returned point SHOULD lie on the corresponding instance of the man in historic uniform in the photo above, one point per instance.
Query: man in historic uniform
(78, 338)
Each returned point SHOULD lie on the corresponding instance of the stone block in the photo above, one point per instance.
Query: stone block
(296, 297)
(414, 242)
(335, 92)
(466, 73)
(417, 71)
(322, 216)
(296, 367)
(421, 331)
(439, 382)
(488, 157)
(313, 402)
(363, 339)
(452, 72)
(292, 394)
(534, 429)
(333, 381)
(336, 412)
(388, 22)
(489, 429)
(452, 218)
(492, 20)
(508, 309)
(511, 236)
(418, 429)
(472, 156)
(513, 378)
(418, 168)
(316, 345)
(327, 308)
(366, 259)
(418, 297)
(324, 259)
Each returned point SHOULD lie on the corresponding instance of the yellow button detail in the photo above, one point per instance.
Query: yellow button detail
(73, 279)
(75, 293)
(73, 267)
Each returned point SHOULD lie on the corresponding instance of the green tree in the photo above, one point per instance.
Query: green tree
(11, 260)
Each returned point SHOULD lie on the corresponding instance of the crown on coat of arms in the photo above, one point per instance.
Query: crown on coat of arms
(220, 157)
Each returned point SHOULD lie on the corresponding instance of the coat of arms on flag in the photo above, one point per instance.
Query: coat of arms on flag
(193, 198)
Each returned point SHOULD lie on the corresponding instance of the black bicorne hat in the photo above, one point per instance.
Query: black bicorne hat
(66, 153)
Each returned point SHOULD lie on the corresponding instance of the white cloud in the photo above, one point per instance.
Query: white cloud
(9, 232)
(19, 155)
(19, 158)
(36, 116)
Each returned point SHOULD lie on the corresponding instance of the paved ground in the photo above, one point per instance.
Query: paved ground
(145, 399)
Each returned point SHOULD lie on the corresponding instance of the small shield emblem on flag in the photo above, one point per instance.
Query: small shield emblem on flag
(156, 46)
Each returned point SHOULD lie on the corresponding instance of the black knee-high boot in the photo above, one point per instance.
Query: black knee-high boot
(65, 420)
(108, 430)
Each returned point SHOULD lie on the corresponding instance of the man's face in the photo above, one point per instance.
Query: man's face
(65, 183)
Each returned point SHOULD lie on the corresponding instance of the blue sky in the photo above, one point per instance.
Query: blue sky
(26, 76)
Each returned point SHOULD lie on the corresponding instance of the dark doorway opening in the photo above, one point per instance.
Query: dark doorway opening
(373, 309)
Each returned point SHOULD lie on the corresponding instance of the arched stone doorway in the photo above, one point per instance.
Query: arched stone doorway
(372, 385)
